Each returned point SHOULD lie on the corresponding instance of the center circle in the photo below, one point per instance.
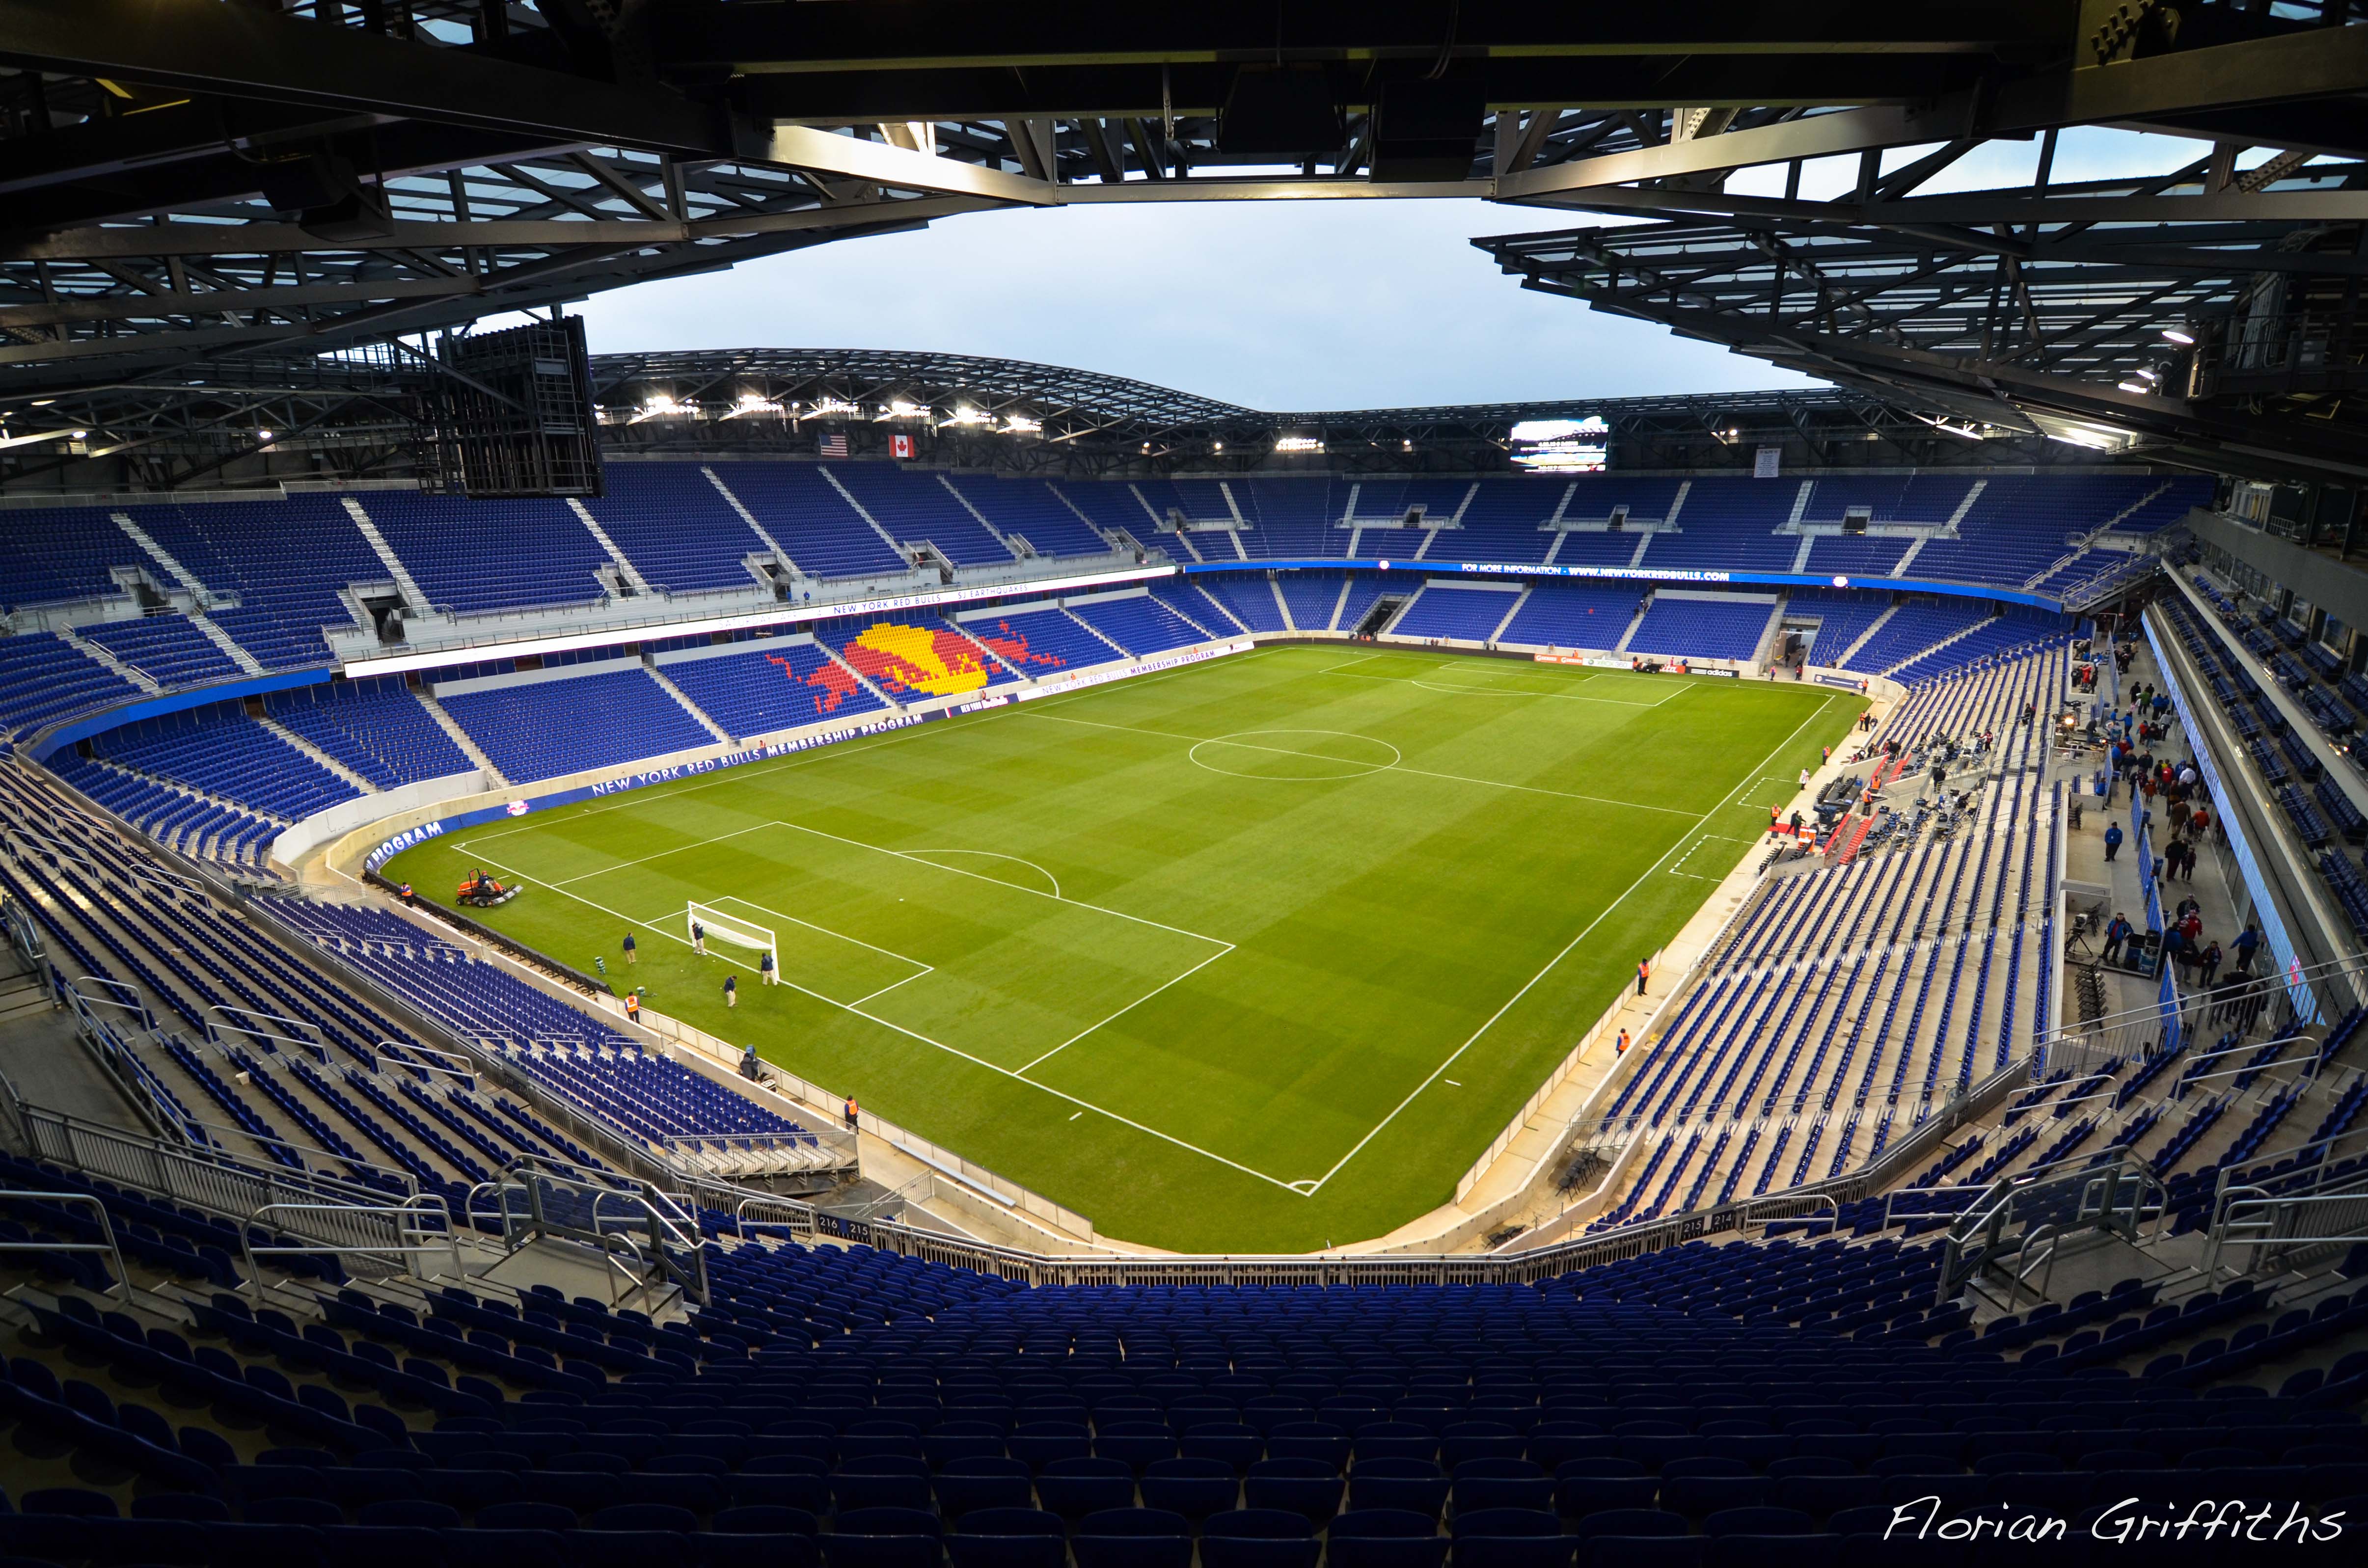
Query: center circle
(1294, 756)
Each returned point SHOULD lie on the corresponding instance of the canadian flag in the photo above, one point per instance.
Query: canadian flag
(900, 446)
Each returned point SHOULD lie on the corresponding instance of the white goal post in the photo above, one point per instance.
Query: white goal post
(738, 930)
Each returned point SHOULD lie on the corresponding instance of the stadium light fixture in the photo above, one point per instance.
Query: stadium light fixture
(2134, 385)
(898, 408)
(262, 436)
(1217, 446)
(658, 406)
(751, 403)
(2180, 335)
(1020, 425)
(1297, 444)
(966, 415)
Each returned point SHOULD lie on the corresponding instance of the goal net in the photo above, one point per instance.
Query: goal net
(736, 931)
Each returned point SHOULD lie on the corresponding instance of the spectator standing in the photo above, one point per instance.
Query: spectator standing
(632, 952)
(2248, 943)
(2116, 933)
(2113, 840)
(2207, 965)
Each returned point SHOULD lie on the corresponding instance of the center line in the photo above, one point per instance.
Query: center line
(1391, 767)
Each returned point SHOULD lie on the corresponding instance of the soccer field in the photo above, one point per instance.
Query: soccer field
(1257, 955)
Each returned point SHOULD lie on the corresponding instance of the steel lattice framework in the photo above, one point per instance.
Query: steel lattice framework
(197, 188)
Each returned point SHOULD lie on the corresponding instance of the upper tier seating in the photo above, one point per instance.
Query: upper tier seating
(1914, 627)
(544, 729)
(1842, 615)
(778, 685)
(1032, 509)
(798, 507)
(914, 507)
(676, 527)
(285, 560)
(167, 649)
(546, 555)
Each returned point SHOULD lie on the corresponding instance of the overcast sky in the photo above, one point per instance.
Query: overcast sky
(1281, 305)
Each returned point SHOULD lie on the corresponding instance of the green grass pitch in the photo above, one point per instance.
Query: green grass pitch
(1257, 955)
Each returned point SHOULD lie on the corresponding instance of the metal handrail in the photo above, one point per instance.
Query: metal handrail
(137, 1007)
(470, 1074)
(416, 1203)
(2254, 1222)
(105, 1229)
(214, 1035)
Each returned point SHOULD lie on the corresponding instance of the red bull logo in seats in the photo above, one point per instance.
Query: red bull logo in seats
(919, 660)
(832, 685)
(1012, 647)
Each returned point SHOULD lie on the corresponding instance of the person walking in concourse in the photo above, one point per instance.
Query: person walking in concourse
(2113, 840)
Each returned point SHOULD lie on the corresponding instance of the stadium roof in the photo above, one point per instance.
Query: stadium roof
(216, 178)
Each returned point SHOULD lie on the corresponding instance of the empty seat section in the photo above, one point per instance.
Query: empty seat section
(221, 751)
(1701, 629)
(1729, 524)
(1032, 509)
(167, 649)
(1850, 555)
(287, 561)
(49, 553)
(676, 527)
(1575, 615)
(1310, 596)
(1503, 521)
(1138, 623)
(44, 679)
(474, 557)
(1291, 519)
(1842, 617)
(1247, 599)
(545, 729)
(1445, 611)
(812, 520)
(915, 505)
(376, 726)
(1915, 627)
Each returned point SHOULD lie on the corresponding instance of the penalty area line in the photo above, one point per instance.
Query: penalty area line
(1301, 1188)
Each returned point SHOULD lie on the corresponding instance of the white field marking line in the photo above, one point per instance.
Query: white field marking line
(1301, 1187)
(1698, 843)
(1550, 963)
(992, 854)
(1236, 741)
(999, 882)
(644, 859)
(1137, 683)
(1389, 768)
(1138, 1002)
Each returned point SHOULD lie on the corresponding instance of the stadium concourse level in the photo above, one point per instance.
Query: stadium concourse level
(229, 1040)
(2284, 769)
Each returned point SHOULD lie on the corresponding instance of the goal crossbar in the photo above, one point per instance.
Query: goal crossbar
(721, 926)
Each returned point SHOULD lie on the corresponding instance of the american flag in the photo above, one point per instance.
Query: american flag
(834, 446)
